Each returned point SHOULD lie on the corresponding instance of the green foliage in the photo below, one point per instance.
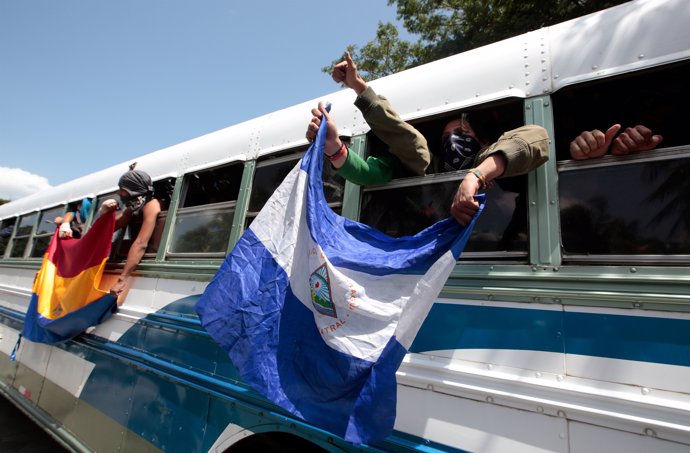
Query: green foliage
(3, 201)
(447, 27)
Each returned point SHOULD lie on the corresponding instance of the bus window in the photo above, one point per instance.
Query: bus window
(626, 208)
(270, 173)
(632, 208)
(117, 235)
(408, 205)
(162, 191)
(22, 235)
(656, 99)
(6, 230)
(204, 219)
(44, 230)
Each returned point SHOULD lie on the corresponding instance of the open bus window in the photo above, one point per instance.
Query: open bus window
(22, 235)
(272, 171)
(656, 99)
(6, 230)
(45, 230)
(407, 206)
(204, 220)
(118, 235)
(623, 208)
(162, 191)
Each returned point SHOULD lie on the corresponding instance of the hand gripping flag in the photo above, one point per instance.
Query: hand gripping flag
(66, 299)
(317, 311)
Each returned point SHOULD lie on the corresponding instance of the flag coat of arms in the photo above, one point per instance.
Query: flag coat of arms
(65, 298)
(317, 311)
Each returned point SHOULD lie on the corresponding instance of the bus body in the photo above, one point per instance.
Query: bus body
(565, 326)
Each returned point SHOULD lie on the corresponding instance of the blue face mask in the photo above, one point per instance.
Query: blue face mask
(459, 151)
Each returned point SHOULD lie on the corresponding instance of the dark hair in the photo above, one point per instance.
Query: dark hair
(484, 123)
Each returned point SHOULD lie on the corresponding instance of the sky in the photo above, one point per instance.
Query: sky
(86, 84)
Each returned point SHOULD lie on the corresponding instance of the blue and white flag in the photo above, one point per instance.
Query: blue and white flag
(317, 311)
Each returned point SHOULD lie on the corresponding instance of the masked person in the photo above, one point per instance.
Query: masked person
(139, 215)
(514, 153)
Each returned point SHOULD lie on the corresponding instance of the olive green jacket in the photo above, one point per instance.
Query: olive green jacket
(524, 148)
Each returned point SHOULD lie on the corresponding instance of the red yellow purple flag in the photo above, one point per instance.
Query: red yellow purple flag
(66, 298)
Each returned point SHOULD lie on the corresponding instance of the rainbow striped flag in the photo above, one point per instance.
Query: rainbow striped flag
(66, 299)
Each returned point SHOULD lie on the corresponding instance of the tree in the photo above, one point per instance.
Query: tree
(3, 201)
(447, 27)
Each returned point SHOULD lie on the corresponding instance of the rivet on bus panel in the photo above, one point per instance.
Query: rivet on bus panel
(645, 391)
(430, 387)
(489, 399)
(633, 270)
(650, 432)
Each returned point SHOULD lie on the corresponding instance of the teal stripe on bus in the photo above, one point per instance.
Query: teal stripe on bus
(638, 338)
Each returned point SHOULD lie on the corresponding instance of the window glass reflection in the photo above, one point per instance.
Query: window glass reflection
(47, 223)
(267, 178)
(406, 211)
(6, 229)
(18, 247)
(203, 230)
(40, 246)
(26, 224)
(632, 209)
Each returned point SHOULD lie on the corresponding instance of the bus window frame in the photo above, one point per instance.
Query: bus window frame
(37, 235)
(262, 162)
(3, 224)
(223, 206)
(364, 149)
(29, 237)
(177, 208)
(608, 161)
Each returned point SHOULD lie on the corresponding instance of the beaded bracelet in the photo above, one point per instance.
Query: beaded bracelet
(480, 177)
(338, 154)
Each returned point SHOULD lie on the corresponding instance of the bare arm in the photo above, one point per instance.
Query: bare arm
(138, 248)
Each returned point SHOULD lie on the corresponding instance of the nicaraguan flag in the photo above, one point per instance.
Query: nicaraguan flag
(66, 299)
(317, 311)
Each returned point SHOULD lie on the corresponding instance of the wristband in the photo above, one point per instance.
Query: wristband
(480, 177)
(340, 153)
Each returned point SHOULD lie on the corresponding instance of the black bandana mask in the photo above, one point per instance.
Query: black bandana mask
(134, 203)
(459, 151)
